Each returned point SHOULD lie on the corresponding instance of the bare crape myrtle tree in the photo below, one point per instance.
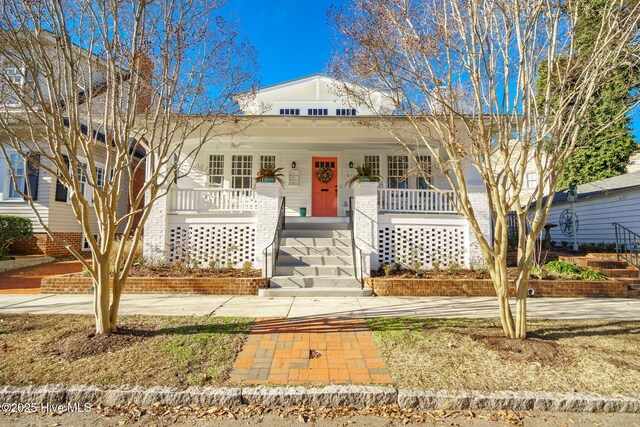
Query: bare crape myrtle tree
(100, 94)
(463, 74)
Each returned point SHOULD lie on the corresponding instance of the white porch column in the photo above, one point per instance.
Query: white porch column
(268, 207)
(156, 231)
(365, 222)
(480, 203)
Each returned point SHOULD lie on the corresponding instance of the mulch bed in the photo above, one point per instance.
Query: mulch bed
(442, 274)
(535, 349)
(173, 271)
(85, 344)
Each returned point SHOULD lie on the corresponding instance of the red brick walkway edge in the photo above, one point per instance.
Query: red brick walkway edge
(160, 285)
(483, 287)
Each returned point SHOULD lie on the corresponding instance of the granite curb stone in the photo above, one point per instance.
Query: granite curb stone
(337, 396)
(333, 395)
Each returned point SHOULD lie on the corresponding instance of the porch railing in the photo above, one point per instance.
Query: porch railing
(627, 245)
(415, 201)
(203, 200)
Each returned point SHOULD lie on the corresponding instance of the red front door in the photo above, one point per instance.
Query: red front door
(325, 186)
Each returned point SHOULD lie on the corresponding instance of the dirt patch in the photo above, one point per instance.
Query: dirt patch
(87, 344)
(532, 350)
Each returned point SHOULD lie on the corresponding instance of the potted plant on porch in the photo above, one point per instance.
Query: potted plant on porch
(270, 174)
(364, 173)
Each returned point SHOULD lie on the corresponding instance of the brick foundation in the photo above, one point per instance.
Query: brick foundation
(41, 243)
(160, 285)
(471, 287)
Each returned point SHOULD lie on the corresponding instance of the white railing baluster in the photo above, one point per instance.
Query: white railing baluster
(203, 200)
(414, 201)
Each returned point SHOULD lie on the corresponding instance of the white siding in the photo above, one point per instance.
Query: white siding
(597, 213)
(62, 219)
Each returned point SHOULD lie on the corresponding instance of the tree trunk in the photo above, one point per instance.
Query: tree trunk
(522, 284)
(115, 305)
(521, 317)
(506, 318)
(101, 296)
(501, 285)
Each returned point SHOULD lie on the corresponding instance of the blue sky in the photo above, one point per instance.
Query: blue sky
(293, 38)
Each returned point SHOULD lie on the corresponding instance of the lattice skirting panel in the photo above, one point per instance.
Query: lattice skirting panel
(225, 245)
(418, 246)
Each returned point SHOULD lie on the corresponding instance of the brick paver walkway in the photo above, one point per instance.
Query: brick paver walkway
(316, 350)
(27, 280)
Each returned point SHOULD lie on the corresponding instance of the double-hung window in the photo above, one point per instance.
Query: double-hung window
(374, 163)
(397, 171)
(15, 182)
(241, 171)
(267, 162)
(11, 81)
(216, 170)
(423, 180)
(532, 180)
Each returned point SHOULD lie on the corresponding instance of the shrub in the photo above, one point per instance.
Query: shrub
(590, 274)
(13, 229)
(563, 269)
(137, 256)
(247, 266)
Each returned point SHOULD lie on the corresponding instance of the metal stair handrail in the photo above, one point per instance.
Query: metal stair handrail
(354, 247)
(275, 244)
(627, 245)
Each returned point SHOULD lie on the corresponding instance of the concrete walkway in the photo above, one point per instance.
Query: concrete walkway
(296, 307)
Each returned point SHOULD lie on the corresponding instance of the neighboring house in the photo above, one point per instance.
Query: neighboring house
(599, 205)
(50, 196)
(219, 215)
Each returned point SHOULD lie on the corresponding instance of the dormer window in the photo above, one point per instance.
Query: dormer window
(12, 79)
(318, 112)
(289, 111)
(345, 112)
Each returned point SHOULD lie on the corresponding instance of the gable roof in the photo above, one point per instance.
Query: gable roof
(601, 187)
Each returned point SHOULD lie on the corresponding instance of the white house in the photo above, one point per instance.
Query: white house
(599, 205)
(218, 214)
(51, 197)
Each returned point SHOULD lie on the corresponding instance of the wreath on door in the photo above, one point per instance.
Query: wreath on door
(324, 175)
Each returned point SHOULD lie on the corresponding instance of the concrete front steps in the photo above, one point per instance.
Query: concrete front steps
(608, 265)
(315, 260)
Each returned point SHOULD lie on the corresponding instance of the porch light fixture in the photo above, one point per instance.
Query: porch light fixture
(350, 165)
(293, 165)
